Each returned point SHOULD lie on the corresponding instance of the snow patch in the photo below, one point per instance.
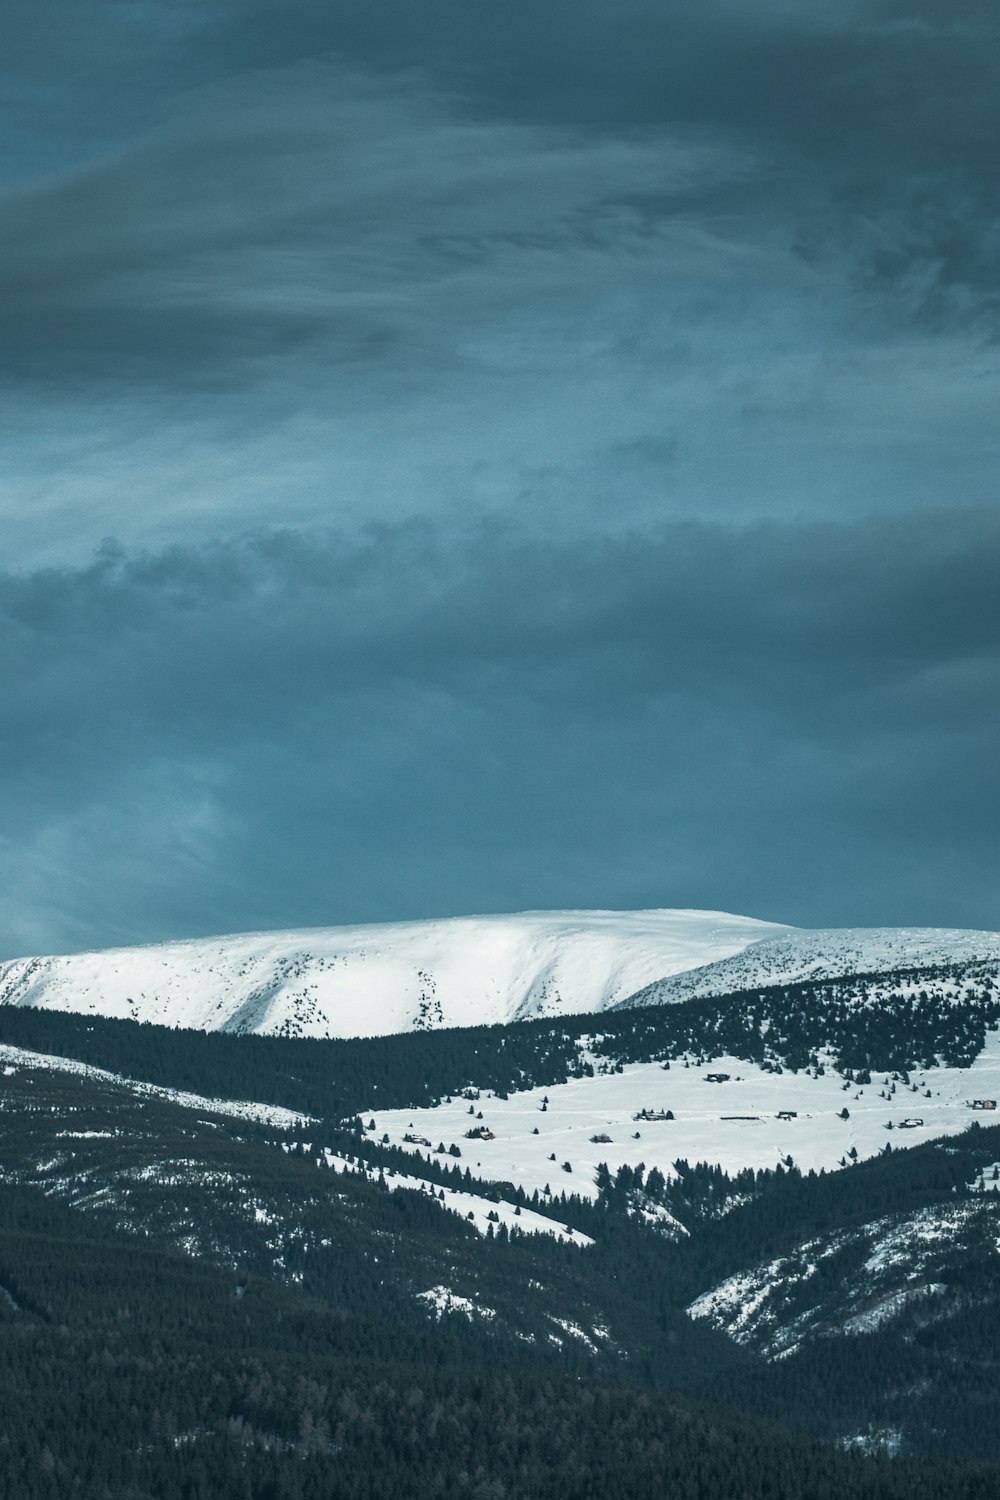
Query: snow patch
(244, 1109)
(441, 1299)
(485, 1214)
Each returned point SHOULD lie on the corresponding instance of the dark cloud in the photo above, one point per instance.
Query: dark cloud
(356, 730)
(494, 404)
(314, 199)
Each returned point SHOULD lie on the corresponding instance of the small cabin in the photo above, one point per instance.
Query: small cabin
(984, 1104)
(480, 1134)
(654, 1114)
(910, 1124)
(717, 1077)
(788, 1114)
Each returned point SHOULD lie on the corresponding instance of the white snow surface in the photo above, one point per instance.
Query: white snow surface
(441, 1299)
(733, 1124)
(821, 953)
(376, 980)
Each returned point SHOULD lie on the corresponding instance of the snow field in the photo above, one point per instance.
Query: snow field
(732, 1125)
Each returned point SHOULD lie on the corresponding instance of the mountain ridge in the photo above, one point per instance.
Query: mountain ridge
(390, 978)
(810, 953)
(378, 979)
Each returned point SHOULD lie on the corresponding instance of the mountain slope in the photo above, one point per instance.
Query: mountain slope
(858, 1279)
(861, 1306)
(376, 980)
(873, 1298)
(900, 1250)
(820, 953)
(131, 1370)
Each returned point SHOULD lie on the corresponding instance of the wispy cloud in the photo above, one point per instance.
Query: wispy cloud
(552, 452)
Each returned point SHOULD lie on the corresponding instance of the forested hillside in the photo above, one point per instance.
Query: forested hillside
(128, 1371)
(262, 1206)
(901, 1020)
(294, 1301)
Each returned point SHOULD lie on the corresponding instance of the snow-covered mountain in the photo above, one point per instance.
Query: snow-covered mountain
(821, 953)
(375, 980)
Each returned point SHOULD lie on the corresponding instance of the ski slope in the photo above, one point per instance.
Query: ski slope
(820, 953)
(375, 980)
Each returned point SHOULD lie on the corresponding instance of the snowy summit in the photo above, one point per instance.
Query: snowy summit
(377, 979)
(463, 971)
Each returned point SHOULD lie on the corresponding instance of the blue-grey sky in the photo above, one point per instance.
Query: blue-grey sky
(462, 457)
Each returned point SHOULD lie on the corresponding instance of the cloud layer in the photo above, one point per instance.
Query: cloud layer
(551, 450)
(794, 720)
(329, 263)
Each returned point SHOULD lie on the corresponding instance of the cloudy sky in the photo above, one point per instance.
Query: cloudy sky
(471, 457)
